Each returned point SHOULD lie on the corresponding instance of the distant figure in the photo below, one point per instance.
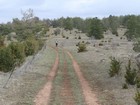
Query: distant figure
(56, 43)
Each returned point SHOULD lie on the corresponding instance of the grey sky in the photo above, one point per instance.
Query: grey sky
(10, 9)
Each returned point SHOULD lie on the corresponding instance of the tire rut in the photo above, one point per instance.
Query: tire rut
(89, 96)
(43, 96)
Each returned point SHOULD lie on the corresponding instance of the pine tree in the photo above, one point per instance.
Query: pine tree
(96, 28)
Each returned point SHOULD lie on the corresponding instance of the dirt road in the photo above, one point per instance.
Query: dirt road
(43, 96)
(60, 87)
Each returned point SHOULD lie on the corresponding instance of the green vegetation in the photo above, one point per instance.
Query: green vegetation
(130, 76)
(57, 31)
(7, 61)
(82, 47)
(136, 47)
(124, 86)
(79, 37)
(137, 97)
(115, 67)
(2, 41)
(67, 37)
(96, 29)
(28, 32)
(31, 46)
(18, 52)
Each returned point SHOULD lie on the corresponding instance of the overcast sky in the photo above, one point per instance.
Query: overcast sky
(10, 9)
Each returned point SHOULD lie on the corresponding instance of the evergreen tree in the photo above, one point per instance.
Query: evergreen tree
(96, 28)
(68, 25)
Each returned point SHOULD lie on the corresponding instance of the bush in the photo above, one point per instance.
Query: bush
(67, 37)
(83, 41)
(7, 61)
(63, 36)
(115, 33)
(137, 97)
(138, 83)
(136, 47)
(100, 44)
(115, 67)
(41, 44)
(79, 37)
(81, 47)
(124, 86)
(31, 46)
(2, 40)
(130, 76)
(57, 31)
(18, 51)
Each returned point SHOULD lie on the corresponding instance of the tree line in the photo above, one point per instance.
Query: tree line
(95, 26)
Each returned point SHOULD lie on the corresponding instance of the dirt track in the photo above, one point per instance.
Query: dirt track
(43, 96)
(66, 93)
(90, 97)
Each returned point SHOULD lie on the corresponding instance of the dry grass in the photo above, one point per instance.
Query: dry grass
(94, 63)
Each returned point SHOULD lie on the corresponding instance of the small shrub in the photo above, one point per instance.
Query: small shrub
(31, 46)
(2, 40)
(82, 47)
(100, 44)
(79, 37)
(7, 60)
(18, 52)
(136, 47)
(138, 81)
(137, 97)
(115, 67)
(67, 37)
(130, 76)
(124, 86)
(57, 31)
(41, 43)
(115, 33)
(63, 36)
(138, 84)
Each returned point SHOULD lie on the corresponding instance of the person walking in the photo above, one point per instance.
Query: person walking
(56, 43)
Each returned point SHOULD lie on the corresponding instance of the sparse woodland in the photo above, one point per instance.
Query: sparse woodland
(25, 39)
